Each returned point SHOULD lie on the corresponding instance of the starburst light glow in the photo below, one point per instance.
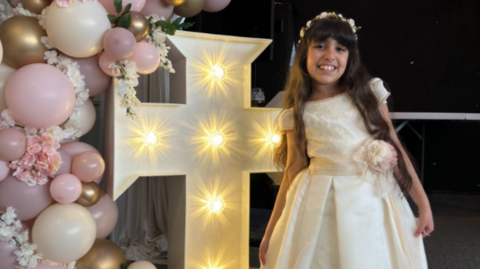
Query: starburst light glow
(216, 139)
(217, 73)
(216, 205)
(150, 138)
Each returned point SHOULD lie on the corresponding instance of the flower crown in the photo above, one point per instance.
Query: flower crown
(325, 15)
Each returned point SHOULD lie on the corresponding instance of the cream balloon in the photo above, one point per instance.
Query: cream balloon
(77, 30)
(5, 72)
(141, 265)
(1, 51)
(86, 117)
(64, 232)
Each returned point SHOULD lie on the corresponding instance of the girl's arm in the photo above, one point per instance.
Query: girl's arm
(292, 168)
(425, 224)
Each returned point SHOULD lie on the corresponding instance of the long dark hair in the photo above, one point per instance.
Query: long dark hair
(355, 81)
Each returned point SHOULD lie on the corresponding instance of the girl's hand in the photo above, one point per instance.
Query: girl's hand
(425, 222)
(263, 250)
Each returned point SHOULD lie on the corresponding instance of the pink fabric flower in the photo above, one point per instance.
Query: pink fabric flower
(41, 160)
(381, 156)
(377, 158)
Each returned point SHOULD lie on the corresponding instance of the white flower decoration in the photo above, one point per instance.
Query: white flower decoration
(325, 15)
(27, 257)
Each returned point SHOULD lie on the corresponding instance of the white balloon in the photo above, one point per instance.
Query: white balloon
(64, 232)
(77, 30)
(141, 265)
(5, 72)
(86, 117)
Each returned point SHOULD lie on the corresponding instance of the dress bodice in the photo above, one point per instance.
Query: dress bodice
(334, 131)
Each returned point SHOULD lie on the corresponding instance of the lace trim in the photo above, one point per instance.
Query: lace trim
(327, 99)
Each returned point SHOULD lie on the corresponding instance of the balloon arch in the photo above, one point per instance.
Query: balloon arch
(55, 58)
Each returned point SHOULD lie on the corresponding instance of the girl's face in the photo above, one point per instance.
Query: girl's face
(326, 62)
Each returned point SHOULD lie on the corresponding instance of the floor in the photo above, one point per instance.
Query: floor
(455, 243)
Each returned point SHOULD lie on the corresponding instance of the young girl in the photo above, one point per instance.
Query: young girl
(341, 202)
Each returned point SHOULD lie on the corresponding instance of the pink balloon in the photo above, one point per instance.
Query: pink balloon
(8, 260)
(96, 80)
(4, 170)
(119, 43)
(137, 5)
(13, 144)
(104, 62)
(75, 148)
(39, 95)
(146, 58)
(158, 7)
(28, 201)
(14, 3)
(105, 214)
(215, 5)
(65, 188)
(88, 166)
(66, 162)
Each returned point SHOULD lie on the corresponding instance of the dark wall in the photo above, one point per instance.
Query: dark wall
(428, 52)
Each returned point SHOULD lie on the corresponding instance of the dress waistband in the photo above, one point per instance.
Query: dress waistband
(329, 167)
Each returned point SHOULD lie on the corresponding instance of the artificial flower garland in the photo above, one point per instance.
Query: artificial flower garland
(10, 232)
(27, 255)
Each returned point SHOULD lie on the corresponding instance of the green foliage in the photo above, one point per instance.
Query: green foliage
(113, 19)
(124, 21)
(118, 6)
(170, 27)
(127, 8)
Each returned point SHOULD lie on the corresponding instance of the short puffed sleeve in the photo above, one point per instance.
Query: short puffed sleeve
(285, 120)
(379, 90)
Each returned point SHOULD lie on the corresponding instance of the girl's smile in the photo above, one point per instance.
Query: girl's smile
(326, 62)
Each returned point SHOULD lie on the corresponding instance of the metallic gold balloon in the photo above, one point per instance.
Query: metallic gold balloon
(104, 254)
(91, 193)
(35, 6)
(139, 26)
(20, 36)
(190, 8)
(175, 2)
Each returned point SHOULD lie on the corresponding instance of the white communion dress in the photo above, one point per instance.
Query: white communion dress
(343, 212)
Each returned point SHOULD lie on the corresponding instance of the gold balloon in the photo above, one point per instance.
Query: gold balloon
(190, 8)
(91, 193)
(104, 254)
(139, 26)
(175, 2)
(20, 36)
(35, 6)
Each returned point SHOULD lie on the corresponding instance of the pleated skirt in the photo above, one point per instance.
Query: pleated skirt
(340, 222)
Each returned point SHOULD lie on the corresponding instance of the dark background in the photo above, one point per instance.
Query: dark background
(427, 52)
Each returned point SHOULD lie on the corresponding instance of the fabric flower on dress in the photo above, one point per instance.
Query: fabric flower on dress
(377, 159)
(381, 156)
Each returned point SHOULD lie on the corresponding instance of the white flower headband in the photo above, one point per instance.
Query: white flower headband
(325, 15)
